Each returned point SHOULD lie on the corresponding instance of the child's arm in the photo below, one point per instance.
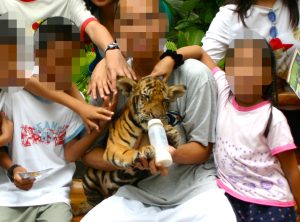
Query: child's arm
(115, 62)
(75, 149)
(165, 66)
(7, 164)
(94, 159)
(6, 130)
(88, 113)
(289, 166)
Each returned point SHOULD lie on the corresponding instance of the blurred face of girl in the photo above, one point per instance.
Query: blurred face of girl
(139, 27)
(248, 67)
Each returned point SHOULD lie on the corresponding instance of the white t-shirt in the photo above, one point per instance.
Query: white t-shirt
(37, 10)
(226, 25)
(246, 161)
(41, 128)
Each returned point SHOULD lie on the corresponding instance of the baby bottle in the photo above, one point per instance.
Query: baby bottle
(158, 139)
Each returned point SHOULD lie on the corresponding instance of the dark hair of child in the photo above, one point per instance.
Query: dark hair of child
(8, 30)
(55, 29)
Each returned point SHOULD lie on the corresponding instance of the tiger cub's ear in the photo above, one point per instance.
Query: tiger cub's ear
(176, 91)
(126, 85)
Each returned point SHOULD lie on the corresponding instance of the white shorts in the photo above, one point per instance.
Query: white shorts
(209, 206)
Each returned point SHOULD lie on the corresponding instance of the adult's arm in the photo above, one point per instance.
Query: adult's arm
(199, 112)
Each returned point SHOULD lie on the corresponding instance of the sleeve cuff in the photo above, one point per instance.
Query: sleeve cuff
(83, 26)
(281, 149)
(215, 69)
(77, 132)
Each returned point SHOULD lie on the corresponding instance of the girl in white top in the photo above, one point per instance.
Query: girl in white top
(275, 20)
(254, 151)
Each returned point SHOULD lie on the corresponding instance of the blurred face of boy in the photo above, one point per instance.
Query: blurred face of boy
(247, 69)
(8, 64)
(139, 27)
(12, 46)
(55, 64)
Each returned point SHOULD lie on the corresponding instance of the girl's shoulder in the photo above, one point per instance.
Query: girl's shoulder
(228, 10)
(278, 116)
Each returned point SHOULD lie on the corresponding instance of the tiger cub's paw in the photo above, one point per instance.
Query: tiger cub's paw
(172, 135)
(146, 152)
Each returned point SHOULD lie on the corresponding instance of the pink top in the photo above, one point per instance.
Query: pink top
(246, 163)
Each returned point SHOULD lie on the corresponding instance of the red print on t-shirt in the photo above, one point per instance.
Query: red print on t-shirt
(36, 135)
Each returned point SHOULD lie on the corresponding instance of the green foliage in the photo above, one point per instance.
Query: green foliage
(86, 57)
(191, 19)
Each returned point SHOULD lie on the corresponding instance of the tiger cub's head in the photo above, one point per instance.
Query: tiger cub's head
(149, 98)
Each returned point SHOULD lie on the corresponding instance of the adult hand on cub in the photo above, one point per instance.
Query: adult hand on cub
(149, 164)
(145, 164)
(163, 68)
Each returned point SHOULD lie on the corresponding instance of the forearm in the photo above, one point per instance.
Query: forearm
(76, 149)
(98, 34)
(75, 93)
(94, 159)
(293, 178)
(196, 52)
(5, 160)
(190, 52)
(294, 183)
(37, 88)
(289, 166)
(191, 153)
(4, 139)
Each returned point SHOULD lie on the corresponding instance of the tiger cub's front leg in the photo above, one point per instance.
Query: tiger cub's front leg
(172, 135)
(127, 157)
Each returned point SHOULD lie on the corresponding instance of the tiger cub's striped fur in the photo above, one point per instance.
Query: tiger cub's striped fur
(147, 99)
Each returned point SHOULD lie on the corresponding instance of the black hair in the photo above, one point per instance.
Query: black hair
(8, 30)
(55, 29)
(270, 91)
(244, 5)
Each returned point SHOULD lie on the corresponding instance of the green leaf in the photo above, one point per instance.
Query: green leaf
(183, 24)
(189, 5)
(171, 45)
(174, 6)
(194, 37)
(181, 39)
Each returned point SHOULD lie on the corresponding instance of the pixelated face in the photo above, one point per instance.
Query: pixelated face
(8, 64)
(139, 26)
(12, 35)
(248, 66)
(101, 3)
(55, 64)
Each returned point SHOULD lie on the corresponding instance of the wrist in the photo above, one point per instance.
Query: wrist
(178, 58)
(111, 46)
(10, 172)
(5, 137)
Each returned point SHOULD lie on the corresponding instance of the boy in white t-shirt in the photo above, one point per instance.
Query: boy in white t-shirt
(33, 11)
(45, 136)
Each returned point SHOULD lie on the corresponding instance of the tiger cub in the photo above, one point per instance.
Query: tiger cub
(146, 99)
